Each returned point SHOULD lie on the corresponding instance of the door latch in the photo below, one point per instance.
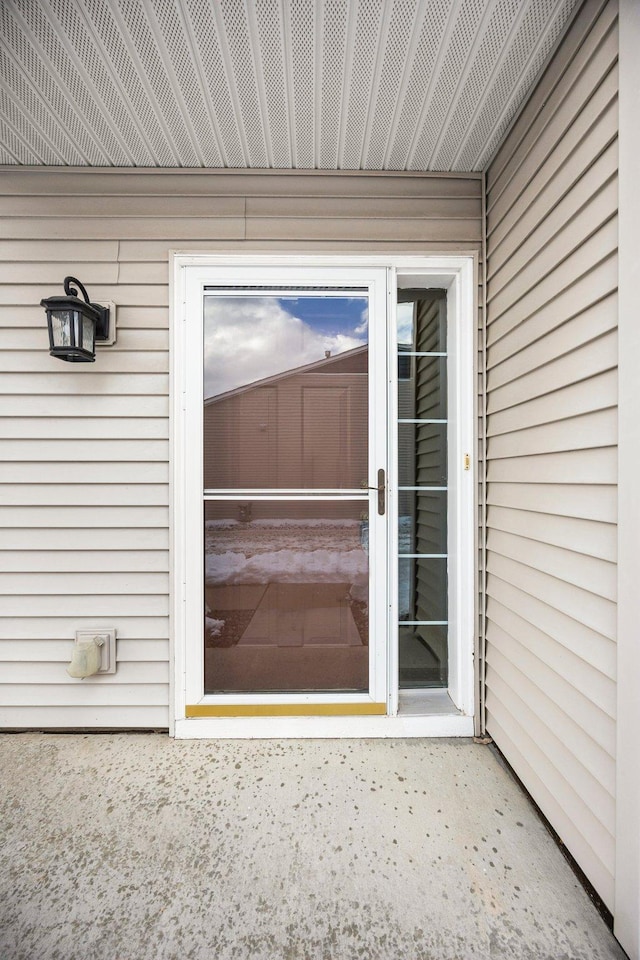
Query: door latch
(381, 490)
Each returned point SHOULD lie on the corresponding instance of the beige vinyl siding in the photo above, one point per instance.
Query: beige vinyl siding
(85, 451)
(551, 443)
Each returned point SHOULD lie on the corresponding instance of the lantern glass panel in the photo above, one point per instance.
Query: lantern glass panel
(61, 327)
(88, 331)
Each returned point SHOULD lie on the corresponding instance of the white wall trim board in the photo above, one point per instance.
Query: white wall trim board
(627, 871)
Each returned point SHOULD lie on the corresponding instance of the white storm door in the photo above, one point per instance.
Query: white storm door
(284, 437)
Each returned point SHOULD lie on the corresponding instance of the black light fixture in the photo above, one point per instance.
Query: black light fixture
(75, 325)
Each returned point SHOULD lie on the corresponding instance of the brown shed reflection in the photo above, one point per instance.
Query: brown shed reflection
(302, 429)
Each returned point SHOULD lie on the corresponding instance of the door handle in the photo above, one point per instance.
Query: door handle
(382, 492)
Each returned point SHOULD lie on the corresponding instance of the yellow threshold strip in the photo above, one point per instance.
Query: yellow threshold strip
(285, 709)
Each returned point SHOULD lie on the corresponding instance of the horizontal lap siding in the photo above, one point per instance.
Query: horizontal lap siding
(97, 435)
(551, 443)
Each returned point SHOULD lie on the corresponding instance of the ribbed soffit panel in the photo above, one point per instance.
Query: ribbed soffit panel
(309, 84)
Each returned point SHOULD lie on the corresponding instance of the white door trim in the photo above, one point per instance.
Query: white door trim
(455, 273)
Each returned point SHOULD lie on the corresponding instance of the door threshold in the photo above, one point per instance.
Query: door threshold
(423, 713)
(427, 702)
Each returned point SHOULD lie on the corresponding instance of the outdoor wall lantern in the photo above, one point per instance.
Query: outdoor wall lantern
(75, 325)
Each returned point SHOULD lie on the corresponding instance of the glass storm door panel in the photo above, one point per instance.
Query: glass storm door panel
(289, 459)
(423, 489)
(286, 594)
(285, 391)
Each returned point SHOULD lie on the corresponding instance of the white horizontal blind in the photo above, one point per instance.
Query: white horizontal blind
(552, 422)
(84, 448)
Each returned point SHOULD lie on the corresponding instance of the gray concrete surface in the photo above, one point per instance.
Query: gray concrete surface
(137, 847)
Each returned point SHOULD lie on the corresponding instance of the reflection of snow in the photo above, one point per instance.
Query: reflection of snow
(291, 566)
(214, 627)
(405, 537)
(315, 551)
(405, 534)
(404, 591)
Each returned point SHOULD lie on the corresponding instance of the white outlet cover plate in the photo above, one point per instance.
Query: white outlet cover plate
(108, 648)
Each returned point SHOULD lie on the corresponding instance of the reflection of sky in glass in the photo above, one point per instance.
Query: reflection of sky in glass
(248, 338)
(405, 323)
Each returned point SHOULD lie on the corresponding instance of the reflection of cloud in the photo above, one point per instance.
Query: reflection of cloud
(363, 326)
(249, 338)
(405, 323)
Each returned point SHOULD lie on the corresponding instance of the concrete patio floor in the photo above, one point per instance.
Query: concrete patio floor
(138, 847)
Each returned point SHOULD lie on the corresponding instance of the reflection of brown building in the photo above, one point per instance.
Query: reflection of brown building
(303, 428)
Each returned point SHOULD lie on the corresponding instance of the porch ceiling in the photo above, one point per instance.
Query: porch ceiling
(326, 84)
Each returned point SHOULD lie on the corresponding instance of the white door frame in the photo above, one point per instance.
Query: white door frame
(190, 272)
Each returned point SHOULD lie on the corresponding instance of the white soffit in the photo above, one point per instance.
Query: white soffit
(311, 84)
